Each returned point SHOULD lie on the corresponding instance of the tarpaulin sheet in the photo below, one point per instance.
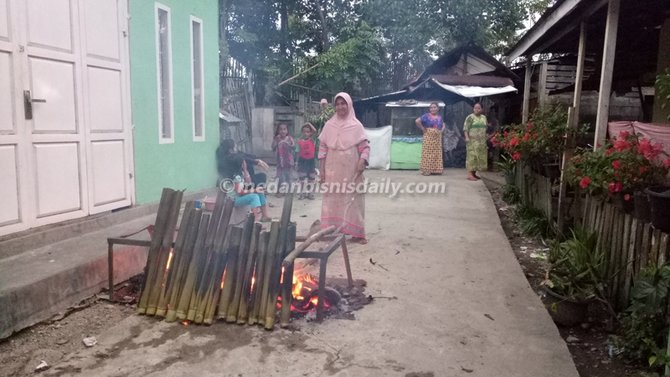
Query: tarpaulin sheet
(475, 91)
(655, 132)
(380, 147)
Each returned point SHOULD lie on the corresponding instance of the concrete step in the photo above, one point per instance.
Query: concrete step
(45, 271)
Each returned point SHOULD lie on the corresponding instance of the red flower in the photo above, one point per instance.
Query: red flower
(516, 156)
(526, 136)
(615, 187)
(621, 145)
(616, 164)
(514, 142)
(584, 183)
(626, 197)
(624, 135)
(609, 151)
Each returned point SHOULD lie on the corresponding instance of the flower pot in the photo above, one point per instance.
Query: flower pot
(565, 311)
(659, 201)
(626, 206)
(642, 208)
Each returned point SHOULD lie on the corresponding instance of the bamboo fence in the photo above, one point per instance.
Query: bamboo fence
(629, 243)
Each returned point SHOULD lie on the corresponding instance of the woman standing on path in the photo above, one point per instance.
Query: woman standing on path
(474, 129)
(431, 125)
(343, 156)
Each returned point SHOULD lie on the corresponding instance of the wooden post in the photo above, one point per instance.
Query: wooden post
(605, 91)
(573, 124)
(542, 95)
(526, 89)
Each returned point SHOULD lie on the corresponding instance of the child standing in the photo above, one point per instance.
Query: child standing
(284, 145)
(306, 165)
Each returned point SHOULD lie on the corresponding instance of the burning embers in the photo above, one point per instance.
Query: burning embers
(306, 295)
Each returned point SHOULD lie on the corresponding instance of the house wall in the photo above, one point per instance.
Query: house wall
(184, 163)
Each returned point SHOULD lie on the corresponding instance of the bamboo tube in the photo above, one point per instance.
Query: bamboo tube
(243, 313)
(210, 278)
(256, 289)
(231, 270)
(184, 262)
(158, 287)
(177, 254)
(287, 286)
(275, 277)
(191, 272)
(216, 278)
(238, 279)
(221, 244)
(156, 242)
(269, 263)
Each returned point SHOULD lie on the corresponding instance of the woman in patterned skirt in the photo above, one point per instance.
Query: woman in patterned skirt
(343, 155)
(431, 125)
(474, 130)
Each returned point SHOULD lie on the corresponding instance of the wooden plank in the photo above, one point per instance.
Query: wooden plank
(654, 250)
(637, 248)
(630, 267)
(613, 265)
(663, 249)
(645, 246)
(606, 75)
(626, 267)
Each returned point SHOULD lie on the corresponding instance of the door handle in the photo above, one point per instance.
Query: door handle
(28, 104)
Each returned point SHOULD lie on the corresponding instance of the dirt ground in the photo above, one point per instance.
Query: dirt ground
(588, 343)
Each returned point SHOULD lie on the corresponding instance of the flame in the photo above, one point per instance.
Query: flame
(253, 282)
(304, 286)
(185, 323)
(169, 261)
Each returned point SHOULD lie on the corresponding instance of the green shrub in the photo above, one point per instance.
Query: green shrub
(533, 222)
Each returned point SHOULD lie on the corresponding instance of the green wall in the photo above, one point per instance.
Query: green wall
(184, 164)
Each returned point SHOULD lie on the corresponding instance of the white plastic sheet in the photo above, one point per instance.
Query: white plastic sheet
(380, 147)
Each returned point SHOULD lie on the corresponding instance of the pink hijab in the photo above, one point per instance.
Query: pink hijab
(341, 133)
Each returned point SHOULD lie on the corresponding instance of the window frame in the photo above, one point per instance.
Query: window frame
(197, 138)
(170, 78)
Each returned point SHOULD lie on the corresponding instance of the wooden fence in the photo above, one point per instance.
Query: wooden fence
(629, 243)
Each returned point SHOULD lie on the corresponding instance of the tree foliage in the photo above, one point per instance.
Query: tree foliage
(364, 46)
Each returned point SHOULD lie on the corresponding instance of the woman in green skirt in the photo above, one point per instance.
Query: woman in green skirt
(475, 139)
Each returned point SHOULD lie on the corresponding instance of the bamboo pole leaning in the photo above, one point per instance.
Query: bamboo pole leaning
(238, 279)
(178, 254)
(164, 240)
(222, 243)
(189, 280)
(154, 250)
(246, 289)
(267, 274)
(231, 269)
(287, 284)
(181, 268)
(257, 287)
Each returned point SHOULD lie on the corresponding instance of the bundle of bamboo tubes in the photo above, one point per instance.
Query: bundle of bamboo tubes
(215, 270)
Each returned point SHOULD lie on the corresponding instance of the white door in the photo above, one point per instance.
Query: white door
(70, 134)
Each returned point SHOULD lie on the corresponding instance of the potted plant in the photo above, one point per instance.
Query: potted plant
(507, 167)
(626, 164)
(575, 277)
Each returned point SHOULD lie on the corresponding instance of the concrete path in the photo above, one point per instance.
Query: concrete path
(463, 307)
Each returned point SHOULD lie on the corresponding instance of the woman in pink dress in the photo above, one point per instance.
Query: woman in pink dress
(343, 156)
